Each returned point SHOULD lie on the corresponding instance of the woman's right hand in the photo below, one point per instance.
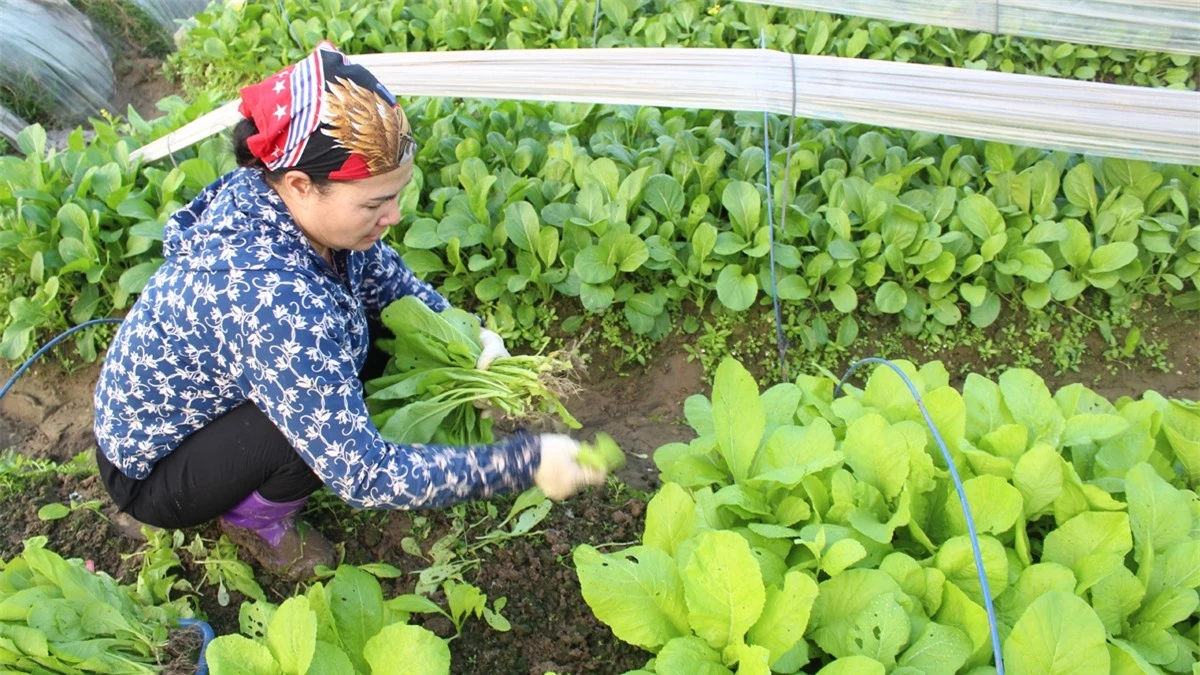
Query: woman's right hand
(560, 475)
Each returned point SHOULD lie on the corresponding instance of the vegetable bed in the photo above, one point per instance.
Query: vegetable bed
(553, 628)
(806, 531)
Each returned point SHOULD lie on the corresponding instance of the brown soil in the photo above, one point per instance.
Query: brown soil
(140, 82)
(1178, 332)
(83, 534)
(642, 410)
(1181, 333)
(551, 627)
(48, 413)
(1176, 374)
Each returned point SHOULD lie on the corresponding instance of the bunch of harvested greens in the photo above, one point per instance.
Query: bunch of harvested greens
(431, 390)
(602, 453)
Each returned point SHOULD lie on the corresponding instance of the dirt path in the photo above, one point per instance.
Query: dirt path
(141, 83)
(48, 413)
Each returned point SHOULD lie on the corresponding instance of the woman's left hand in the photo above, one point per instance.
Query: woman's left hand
(493, 348)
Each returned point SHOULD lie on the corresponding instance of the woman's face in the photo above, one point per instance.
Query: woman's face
(345, 214)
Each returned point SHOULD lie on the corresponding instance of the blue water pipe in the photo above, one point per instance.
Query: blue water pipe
(958, 486)
(48, 346)
(783, 368)
(781, 341)
(207, 636)
(206, 630)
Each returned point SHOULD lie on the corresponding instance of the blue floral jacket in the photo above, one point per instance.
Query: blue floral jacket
(244, 309)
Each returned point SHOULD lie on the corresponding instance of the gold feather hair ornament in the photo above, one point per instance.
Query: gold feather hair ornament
(362, 122)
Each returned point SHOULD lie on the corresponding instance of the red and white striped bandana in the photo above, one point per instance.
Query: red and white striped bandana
(328, 118)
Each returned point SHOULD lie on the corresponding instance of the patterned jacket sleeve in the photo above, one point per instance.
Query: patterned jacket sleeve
(386, 279)
(288, 355)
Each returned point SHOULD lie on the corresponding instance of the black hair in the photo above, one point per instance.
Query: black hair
(245, 158)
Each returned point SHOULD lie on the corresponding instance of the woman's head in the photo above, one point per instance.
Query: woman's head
(333, 142)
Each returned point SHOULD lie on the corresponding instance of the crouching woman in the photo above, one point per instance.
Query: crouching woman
(233, 389)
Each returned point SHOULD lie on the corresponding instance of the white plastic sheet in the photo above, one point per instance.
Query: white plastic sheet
(50, 45)
(10, 125)
(1111, 120)
(1154, 25)
(167, 13)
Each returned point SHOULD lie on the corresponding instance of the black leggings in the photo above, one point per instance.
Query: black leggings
(212, 470)
(218, 466)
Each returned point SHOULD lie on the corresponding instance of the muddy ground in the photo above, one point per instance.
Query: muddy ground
(47, 415)
(141, 84)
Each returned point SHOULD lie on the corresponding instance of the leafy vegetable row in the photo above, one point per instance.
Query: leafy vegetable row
(635, 210)
(802, 531)
(641, 209)
(58, 616)
(80, 226)
(915, 259)
(345, 626)
(231, 44)
(516, 204)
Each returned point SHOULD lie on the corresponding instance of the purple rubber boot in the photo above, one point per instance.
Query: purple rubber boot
(270, 532)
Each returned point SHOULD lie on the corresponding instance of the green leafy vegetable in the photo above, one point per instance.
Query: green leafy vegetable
(1058, 634)
(57, 616)
(830, 536)
(638, 210)
(343, 627)
(602, 453)
(431, 391)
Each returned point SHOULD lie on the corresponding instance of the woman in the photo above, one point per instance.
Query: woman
(234, 387)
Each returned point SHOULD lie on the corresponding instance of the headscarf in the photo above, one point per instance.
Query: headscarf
(328, 118)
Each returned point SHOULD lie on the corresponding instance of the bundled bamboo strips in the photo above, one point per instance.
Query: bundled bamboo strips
(1156, 25)
(1086, 117)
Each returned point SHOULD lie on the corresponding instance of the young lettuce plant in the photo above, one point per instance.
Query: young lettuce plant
(603, 453)
(432, 392)
(342, 627)
(799, 531)
(57, 616)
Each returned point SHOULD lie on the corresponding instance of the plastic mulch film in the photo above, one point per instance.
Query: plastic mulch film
(1154, 25)
(1161, 125)
(167, 13)
(51, 52)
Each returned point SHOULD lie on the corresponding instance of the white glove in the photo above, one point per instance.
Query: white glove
(560, 475)
(493, 348)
